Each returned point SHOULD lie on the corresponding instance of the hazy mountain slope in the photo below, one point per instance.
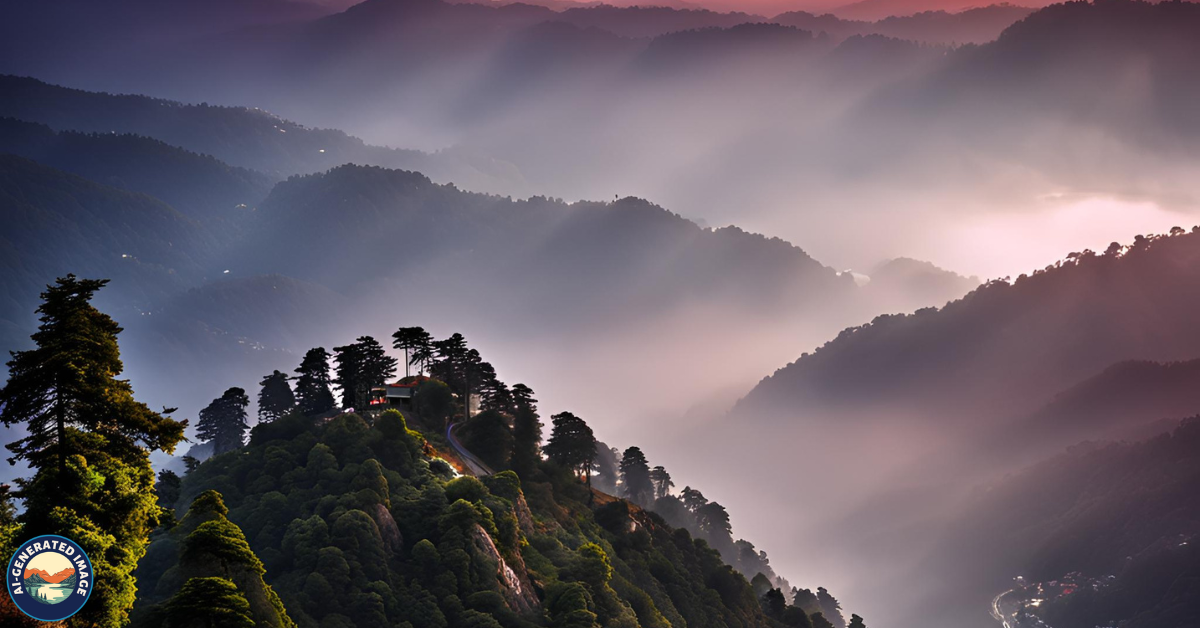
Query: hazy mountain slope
(198, 185)
(1124, 400)
(240, 136)
(56, 223)
(46, 38)
(972, 26)
(1004, 347)
(1119, 509)
(907, 284)
(582, 259)
(1107, 74)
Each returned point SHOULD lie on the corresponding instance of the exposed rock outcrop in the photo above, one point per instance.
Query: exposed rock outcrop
(514, 583)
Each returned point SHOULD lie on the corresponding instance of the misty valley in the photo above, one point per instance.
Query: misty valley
(574, 314)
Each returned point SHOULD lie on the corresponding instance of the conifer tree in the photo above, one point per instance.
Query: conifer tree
(572, 444)
(223, 422)
(416, 343)
(276, 398)
(662, 482)
(314, 385)
(313, 392)
(361, 366)
(635, 476)
(168, 488)
(527, 431)
(88, 444)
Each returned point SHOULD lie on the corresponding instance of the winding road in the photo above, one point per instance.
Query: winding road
(474, 464)
(998, 612)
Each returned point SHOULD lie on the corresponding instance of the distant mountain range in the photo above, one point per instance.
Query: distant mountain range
(41, 577)
(232, 264)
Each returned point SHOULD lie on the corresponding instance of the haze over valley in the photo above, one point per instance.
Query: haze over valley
(907, 289)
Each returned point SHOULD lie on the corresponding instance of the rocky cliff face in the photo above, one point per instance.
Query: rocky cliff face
(393, 540)
(514, 582)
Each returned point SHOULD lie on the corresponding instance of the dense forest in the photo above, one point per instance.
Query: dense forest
(1130, 301)
(1118, 518)
(320, 516)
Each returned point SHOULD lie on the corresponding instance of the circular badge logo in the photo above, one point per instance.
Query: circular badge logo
(49, 578)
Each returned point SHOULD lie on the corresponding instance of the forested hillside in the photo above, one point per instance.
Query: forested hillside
(329, 517)
(1007, 347)
(55, 222)
(355, 527)
(1121, 517)
(198, 185)
(240, 136)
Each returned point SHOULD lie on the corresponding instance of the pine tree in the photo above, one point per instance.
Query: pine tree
(88, 443)
(276, 398)
(635, 476)
(662, 482)
(313, 391)
(572, 444)
(416, 343)
(857, 622)
(527, 432)
(223, 422)
(361, 366)
(69, 382)
(168, 488)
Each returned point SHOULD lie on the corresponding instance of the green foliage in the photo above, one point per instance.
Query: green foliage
(635, 477)
(223, 422)
(209, 603)
(572, 444)
(488, 436)
(313, 393)
(433, 401)
(276, 398)
(360, 367)
(87, 444)
(355, 529)
(527, 432)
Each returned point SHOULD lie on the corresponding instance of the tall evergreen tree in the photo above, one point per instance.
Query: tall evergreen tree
(88, 443)
(313, 392)
(662, 482)
(276, 398)
(69, 382)
(856, 622)
(635, 476)
(572, 444)
(527, 431)
(360, 367)
(416, 343)
(168, 488)
(451, 361)
(830, 608)
(223, 422)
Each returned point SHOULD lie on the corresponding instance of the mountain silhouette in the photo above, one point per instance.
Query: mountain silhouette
(40, 576)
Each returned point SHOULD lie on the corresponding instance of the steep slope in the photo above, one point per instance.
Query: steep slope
(239, 136)
(1006, 347)
(357, 527)
(197, 185)
(628, 255)
(1123, 516)
(906, 284)
(57, 223)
